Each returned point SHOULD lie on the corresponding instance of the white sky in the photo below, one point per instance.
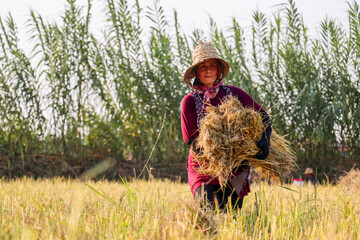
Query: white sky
(192, 13)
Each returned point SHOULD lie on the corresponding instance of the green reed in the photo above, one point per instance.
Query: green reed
(77, 99)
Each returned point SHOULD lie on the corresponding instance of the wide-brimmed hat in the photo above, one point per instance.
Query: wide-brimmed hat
(309, 171)
(203, 52)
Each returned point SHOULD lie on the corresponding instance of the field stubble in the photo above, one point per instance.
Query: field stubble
(67, 209)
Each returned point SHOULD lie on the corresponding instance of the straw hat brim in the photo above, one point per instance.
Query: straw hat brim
(190, 72)
(309, 171)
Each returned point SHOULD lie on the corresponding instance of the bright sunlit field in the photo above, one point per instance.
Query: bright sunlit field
(69, 209)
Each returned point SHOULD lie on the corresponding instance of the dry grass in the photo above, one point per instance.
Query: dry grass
(68, 209)
(228, 136)
(351, 180)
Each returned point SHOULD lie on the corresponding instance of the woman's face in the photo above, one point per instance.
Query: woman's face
(207, 72)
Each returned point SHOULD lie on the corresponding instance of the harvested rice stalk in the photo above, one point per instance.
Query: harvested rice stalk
(351, 179)
(228, 136)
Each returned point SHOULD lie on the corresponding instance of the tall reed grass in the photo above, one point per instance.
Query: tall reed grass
(78, 99)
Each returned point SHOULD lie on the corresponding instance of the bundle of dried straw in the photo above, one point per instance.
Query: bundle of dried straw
(228, 136)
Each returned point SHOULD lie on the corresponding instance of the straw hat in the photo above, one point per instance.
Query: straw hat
(309, 171)
(202, 52)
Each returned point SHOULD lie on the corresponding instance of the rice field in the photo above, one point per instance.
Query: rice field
(70, 209)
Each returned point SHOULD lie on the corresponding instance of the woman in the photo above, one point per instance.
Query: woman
(309, 175)
(207, 72)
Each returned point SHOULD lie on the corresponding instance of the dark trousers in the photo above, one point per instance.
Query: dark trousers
(208, 196)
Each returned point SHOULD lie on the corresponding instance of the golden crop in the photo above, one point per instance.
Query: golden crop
(70, 209)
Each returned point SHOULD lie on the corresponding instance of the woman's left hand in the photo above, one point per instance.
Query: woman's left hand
(264, 149)
(264, 144)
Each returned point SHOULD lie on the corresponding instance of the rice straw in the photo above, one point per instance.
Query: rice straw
(228, 138)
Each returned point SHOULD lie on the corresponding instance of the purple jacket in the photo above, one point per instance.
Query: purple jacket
(189, 128)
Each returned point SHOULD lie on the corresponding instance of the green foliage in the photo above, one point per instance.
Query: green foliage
(77, 98)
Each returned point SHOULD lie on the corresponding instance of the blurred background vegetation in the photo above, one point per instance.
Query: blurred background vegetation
(77, 100)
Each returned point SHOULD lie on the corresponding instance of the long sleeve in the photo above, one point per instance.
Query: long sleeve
(248, 101)
(189, 127)
(245, 99)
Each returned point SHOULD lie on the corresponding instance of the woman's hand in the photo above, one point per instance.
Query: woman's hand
(264, 149)
(264, 143)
